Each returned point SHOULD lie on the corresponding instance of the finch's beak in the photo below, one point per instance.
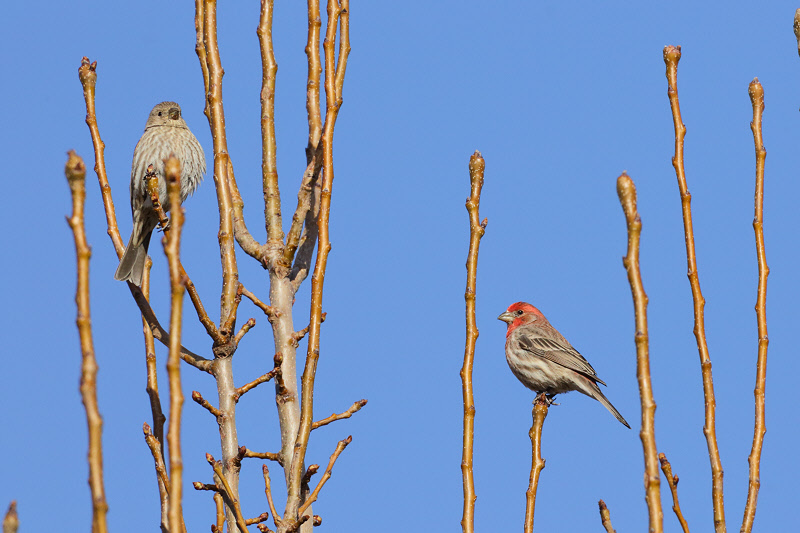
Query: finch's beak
(506, 317)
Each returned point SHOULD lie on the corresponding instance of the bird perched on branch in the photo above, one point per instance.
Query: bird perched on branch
(164, 134)
(544, 361)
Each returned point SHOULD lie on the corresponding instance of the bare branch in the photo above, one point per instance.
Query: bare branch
(476, 231)
(263, 455)
(151, 179)
(88, 76)
(605, 516)
(256, 382)
(205, 486)
(327, 475)
(219, 506)
(672, 55)
(269, 166)
(268, 310)
(540, 407)
(172, 171)
(268, 491)
(356, 407)
(76, 177)
(162, 335)
(158, 459)
(247, 326)
(11, 520)
(333, 104)
(227, 493)
(627, 197)
(197, 397)
(299, 335)
(760, 427)
(672, 481)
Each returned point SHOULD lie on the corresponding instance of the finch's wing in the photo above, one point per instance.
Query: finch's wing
(559, 352)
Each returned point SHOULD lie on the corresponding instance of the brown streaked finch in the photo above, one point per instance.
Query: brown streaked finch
(544, 361)
(164, 134)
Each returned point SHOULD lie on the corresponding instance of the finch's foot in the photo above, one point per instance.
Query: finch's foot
(545, 398)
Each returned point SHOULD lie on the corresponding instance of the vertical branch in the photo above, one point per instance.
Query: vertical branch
(540, 406)
(11, 519)
(223, 174)
(87, 73)
(672, 55)
(200, 49)
(172, 248)
(476, 231)
(312, 356)
(605, 517)
(150, 360)
(231, 206)
(76, 176)
(312, 86)
(269, 166)
(757, 97)
(652, 482)
(672, 481)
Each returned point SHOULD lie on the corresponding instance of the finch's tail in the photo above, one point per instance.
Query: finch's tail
(595, 392)
(131, 266)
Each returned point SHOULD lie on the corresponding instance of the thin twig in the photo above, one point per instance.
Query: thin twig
(75, 171)
(162, 335)
(219, 506)
(87, 73)
(304, 194)
(11, 520)
(326, 476)
(271, 456)
(268, 310)
(198, 398)
(268, 491)
(356, 407)
(299, 335)
(476, 231)
(652, 482)
(605, 516)
(247, 326)
(757, 97)
(672, 481)
(158, 459)
(540, 407)
(205, 486)
(263, 517)
(172, 172)
(672, 55)
(256, 382)
(228, 494)
(152, 372)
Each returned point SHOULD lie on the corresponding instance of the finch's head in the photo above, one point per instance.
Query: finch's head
(166, 114)
(521, 313)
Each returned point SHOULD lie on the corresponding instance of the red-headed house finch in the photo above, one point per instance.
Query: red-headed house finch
(164, 134)
(544, 361)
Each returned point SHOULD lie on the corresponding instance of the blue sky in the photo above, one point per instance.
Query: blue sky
(560, 97)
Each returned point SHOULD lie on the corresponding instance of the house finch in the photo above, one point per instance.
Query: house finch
(164, 134)
(544, 361)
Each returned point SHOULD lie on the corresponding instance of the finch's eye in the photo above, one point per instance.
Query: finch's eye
(519, 312)
(159, 113)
